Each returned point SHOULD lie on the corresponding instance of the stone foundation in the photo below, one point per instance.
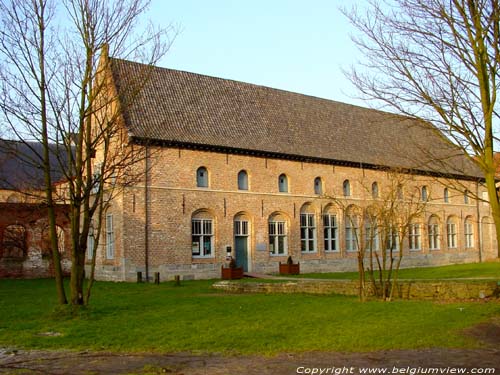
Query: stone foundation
(442, 291)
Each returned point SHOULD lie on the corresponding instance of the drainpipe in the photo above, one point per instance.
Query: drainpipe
(479, 229)
(146, 214)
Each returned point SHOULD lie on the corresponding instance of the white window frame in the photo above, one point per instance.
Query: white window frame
(451, 232)
(243, 180)
(414, 237)
(469, 234)
(331, 233)
(204, 229)
(110, 237)
(433, 233)
(375, 235)
(308, 237)
(392, 236)
(351, 233)
(277, 231)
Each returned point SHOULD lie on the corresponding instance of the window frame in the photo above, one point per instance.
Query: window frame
(202, 180)
(283, 185)
(308, 229)
(351, 228)
(110, 237)
(203, 235)
(274, 236)
(346, 188)
(331, 233)
(243, 180)
(414, 237)
(469, 234)
(433, 234)
(451, 234)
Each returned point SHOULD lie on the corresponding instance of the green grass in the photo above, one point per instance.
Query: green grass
(194, 317)
(486, 270)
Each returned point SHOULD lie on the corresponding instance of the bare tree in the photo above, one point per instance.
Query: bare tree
(436, 61)
(56, 88)
(378, 228)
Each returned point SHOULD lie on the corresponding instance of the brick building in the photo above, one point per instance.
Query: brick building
(257, 173)
(24, 243)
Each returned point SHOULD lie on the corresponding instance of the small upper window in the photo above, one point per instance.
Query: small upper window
(446, 196)
(375, 190)
(202, 177)
(346, 187)
(318, 186)
(424, 194)
(283, 183)
(466, 197)
(243, 180)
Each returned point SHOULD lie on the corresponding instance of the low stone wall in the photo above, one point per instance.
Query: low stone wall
(444, 290)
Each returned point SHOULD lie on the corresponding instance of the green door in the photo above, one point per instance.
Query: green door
(241, 251)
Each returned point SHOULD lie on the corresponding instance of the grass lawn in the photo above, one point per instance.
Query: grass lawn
(457, 271)
(194, 317)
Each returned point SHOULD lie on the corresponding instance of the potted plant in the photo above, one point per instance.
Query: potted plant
(289, 268)
(232, 272)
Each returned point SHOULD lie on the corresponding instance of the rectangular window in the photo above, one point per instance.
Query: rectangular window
(241, 228)
(90, 246)
(371, 236)
(469, 235)
(452, 235)
(393, 239)
(414, 237)
(110, 237)
(277, 238)
(433, 236)
(330, 232)
(351, 234)
(308, 232)
(202, 238)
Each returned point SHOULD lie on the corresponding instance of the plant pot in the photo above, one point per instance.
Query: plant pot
(289, 269)
(231, 273)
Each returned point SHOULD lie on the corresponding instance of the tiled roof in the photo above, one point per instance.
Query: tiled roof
(181, 108)
(20, 165)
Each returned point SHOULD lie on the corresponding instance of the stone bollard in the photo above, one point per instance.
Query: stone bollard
(177, 279)
(157, 278)
(139, 277)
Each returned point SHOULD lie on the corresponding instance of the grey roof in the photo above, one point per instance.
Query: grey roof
(182, 108)
(21, 165)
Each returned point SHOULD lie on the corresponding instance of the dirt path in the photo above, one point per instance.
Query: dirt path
(61, 362)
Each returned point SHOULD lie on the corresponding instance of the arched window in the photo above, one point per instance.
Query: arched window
(466, 197)
(307, 229)
(283, 183)
(346, 188)
(14, 242)
(318, 186)
(243, 180)
(424, 194)
(202, 235)
(468, 233)
(375, 190)
(202, 177)
(451, 232)
(446, 196)
(433, 233)
(278, 236)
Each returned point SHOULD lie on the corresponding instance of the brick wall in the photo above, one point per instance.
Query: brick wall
(173, 199)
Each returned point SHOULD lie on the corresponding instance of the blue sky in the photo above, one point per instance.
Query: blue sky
(293, 45)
